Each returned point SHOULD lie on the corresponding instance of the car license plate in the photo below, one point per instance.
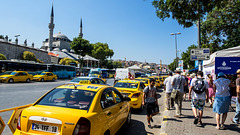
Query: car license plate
(46, 128)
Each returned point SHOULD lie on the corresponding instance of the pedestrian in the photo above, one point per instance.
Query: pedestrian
(150, 101)
(236, 118)
(168, 88)
(198, 92)
(211, 93)
(178, 83)
(222, 99)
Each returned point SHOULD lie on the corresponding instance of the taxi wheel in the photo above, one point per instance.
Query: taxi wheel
(28, 80)
(53, 79)
(42, 80)
(10, 80)
(129, 119)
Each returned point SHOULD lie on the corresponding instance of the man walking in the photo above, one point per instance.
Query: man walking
(168, 88)
(198, 92)
(178, 83)
(236, 118)
(150, 101)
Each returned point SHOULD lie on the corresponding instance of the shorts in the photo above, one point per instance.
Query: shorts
(198, 103)
(151, 108)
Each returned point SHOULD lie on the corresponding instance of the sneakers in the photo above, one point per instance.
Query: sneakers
(149, 126)
(200, 124)
(195, 120)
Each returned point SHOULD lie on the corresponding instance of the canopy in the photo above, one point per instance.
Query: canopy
(135, 67)
(230, 52)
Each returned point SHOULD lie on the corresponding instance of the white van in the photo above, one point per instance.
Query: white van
(124, 73)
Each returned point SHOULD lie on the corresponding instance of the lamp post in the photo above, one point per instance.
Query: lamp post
(176, 46)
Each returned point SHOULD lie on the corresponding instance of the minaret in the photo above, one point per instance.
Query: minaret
(81, 34)
(51, 27)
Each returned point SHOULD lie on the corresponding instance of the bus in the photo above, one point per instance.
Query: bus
(62, 71)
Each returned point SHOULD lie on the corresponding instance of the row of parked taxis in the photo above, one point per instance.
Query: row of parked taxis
(83, 106)
(22, 76)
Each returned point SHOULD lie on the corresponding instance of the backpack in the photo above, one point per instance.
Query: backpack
(199, 86)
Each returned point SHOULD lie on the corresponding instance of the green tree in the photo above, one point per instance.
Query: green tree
(221, 29)
(186, 12)
(2, 57)
(82, 47)
(117, 64)
(67, 61)
(1, 37)
(187, 63)
(102, 52)
(30, 57)
(172, 66)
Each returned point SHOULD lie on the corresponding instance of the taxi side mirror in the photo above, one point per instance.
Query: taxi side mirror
(126, 98)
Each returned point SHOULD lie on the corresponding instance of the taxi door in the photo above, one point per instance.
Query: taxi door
(121, 106)
(18, 77)
(110, 109)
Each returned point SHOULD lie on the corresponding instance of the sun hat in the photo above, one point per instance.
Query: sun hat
(178, 70)
(221, 74)
(238, 71)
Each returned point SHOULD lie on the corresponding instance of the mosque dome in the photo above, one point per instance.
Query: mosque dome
(60, 36)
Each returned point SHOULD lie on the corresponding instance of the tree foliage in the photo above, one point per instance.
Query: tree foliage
(2, 57)
(67, 61)
(172, 66)
(186, 12)
(113, 64)
(81, 46)
(30, 57)
(187, 64)
(221, 29)
(102, 52)
(1, 37)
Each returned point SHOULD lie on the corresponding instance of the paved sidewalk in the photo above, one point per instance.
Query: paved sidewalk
(184, 125)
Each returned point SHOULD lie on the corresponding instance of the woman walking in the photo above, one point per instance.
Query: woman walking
(211, 92)
(222, 99)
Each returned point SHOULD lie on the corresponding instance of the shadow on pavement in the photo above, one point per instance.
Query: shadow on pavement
(136, 128)
(173, 119)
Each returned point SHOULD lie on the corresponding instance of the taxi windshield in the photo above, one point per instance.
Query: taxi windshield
(126, 85)
(13, 73)
(42, 73)
(93, 75)
(68, 98)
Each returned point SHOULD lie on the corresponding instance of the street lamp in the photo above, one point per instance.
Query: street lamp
(176, 46)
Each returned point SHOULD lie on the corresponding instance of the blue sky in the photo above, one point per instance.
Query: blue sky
(130, 27)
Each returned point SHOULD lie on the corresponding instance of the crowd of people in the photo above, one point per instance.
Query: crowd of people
(202, 90)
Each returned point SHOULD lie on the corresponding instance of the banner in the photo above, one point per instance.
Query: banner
(180, 64)
(227, 65)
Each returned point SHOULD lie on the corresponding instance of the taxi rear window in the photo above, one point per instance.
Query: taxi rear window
(68, 98)
(126, 85)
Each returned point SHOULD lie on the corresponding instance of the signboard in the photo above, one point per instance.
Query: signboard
(180, 64)
(2, 125)
(200, 54)
(227, 65)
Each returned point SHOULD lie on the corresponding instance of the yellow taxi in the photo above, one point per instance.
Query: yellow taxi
(158, 83)
(97, 75)
(76, 110)
(45, 76)
(17, 76)
(87, 80)
(133, 89)
(162, 78)
(146, 81)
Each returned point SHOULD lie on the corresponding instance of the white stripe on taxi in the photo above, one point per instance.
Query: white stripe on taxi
(45, 119)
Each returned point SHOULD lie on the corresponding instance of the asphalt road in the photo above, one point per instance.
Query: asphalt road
(18, 94)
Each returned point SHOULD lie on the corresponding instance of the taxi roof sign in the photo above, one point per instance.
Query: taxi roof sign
(200, 54)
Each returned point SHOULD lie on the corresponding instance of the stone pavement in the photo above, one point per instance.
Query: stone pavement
(184, 125)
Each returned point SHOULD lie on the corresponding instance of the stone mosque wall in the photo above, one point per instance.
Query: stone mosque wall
(13, 51)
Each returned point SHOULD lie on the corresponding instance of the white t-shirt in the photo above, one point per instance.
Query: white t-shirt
(222, 87)
(168, 85)
(202, 95)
